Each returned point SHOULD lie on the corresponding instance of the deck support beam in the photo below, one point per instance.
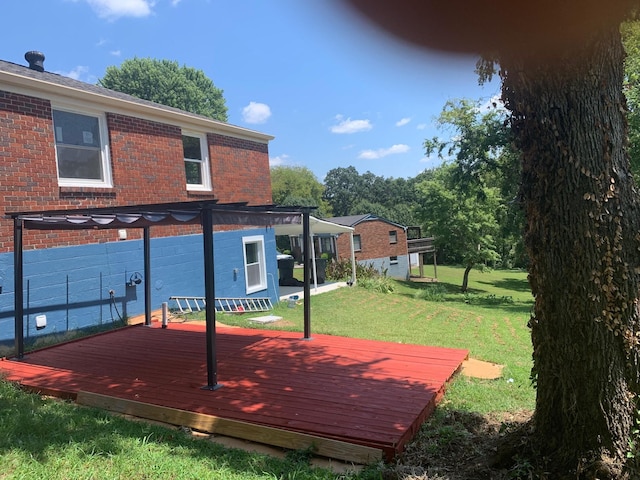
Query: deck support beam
(306, 238)
(210, 301)
(147, 276)
(18, 282)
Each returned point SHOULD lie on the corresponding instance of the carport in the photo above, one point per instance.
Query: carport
(317, 226)
(206, 213)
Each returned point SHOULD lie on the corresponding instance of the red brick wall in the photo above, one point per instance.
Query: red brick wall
(147, 167)
(239, 169)
(374, 239)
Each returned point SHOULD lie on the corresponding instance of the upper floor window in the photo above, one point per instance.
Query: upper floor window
(196, 162)
(81, 149)
(393, 236)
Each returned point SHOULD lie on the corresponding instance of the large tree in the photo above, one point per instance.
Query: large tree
(568, 114)
(298, 186)
(479, 148)
(342, 189)
(166, 82)
(561, 65)
(351, 193)
(463, 221)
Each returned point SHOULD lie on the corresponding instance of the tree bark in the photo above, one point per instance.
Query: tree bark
(582, 236)
(465, 278)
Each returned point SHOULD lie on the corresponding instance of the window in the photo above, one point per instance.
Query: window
(254, 264)
(196, 164)
(393, 236)
(81, 150)
(357, 245)
(393, 260)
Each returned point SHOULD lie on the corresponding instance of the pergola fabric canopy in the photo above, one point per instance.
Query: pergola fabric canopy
(207, 213)
(141, 216)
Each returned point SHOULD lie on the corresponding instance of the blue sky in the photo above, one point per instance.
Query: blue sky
(332, 90)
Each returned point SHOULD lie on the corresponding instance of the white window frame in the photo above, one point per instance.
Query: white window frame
(393, 237)
(260, 265)
(205, 170)
(393, 260)
(105, 158)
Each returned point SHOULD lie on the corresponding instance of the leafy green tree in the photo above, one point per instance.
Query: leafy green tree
(352, 193)
(342, 189)
(298, 186)
(482, 158)
(166, 82)
(462, 222)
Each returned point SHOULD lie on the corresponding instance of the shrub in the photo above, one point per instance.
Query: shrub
(431, 293)
(380, 284)
(340, 270)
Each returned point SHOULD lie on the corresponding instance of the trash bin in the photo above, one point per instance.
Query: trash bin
(285, 269)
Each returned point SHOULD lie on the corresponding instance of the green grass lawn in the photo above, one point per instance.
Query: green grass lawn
(44, 438)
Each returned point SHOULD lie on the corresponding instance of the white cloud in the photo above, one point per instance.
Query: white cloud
(279, 160)
(350, 126)
(256, 112)
(175, 2)
(112, 9)
(493, 102)
(402, 122)
(421, 126)
(78, 73)
(383, 152)
(115, 53)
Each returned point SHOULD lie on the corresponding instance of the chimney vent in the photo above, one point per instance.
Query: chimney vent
(36, 60)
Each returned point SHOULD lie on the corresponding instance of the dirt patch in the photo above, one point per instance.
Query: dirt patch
(424, 279)
(479, 369)
(458, 445)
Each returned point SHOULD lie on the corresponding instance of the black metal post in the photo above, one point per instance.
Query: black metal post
(147, 276)
(18, 282)
(209, 295)
(306, 234)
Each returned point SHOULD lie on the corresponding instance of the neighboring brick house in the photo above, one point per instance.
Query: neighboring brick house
(66, 143)
(377, 241)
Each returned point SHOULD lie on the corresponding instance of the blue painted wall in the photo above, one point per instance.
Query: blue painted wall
(70, 285)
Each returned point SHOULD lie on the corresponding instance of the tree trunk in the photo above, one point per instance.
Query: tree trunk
(582, 236)
(465, 278)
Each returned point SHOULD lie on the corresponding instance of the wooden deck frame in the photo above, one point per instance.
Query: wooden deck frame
(324, 447)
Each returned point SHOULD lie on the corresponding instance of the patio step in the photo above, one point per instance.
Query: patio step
(236, 305)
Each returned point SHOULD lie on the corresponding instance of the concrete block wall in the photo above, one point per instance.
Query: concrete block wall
(70, 285)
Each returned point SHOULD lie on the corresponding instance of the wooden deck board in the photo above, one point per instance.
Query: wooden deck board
(357, 391)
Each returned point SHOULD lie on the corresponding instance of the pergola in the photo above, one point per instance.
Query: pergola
(206, 213)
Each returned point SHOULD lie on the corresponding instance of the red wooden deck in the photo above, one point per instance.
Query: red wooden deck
(359, 391)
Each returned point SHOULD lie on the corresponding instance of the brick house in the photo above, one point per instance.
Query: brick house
(67, 144)
(377, 241)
